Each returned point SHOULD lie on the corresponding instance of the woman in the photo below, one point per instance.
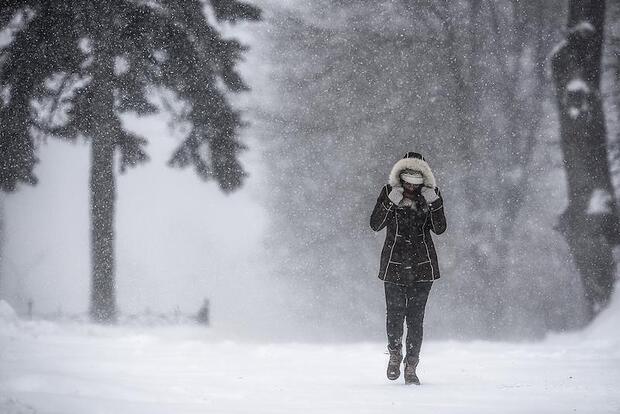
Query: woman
(409, 206)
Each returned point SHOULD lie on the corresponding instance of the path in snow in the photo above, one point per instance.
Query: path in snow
(79, 368)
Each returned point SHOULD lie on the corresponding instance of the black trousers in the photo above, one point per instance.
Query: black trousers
(406, 303)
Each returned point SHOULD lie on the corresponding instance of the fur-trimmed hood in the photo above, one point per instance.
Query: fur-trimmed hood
(415, 164)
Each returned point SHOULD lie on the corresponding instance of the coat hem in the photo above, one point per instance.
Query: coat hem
(405, 284)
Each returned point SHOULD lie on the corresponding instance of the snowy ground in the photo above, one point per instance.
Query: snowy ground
(79, 368)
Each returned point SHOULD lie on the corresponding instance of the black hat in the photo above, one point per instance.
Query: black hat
(412, 154)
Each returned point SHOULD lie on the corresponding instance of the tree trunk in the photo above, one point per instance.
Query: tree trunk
(102, 198)
(1, 238)
(615, 52)
(590, 222)
(103, 133)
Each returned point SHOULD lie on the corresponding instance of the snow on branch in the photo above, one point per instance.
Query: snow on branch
(600, 202)
(578, 85)
(583, 28)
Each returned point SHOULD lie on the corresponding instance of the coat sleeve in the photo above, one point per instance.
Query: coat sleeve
(438, 219)
(383, 212)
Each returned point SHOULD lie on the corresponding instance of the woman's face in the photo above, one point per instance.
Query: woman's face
(411, 188)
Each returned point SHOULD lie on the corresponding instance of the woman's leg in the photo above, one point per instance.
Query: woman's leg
(417, 294)
(396, 305)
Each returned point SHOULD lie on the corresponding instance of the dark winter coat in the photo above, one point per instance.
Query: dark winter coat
(408, 254)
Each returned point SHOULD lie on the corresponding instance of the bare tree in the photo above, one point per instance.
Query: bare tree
(614, 45)
(504, 78)
(590, 222)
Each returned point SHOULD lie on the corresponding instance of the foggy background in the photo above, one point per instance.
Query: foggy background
(339, 92)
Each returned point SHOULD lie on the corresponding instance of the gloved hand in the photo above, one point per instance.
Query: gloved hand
(429, 194)
(396, 195)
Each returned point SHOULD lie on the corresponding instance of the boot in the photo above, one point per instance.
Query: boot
(410, 365)
(393, 369)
